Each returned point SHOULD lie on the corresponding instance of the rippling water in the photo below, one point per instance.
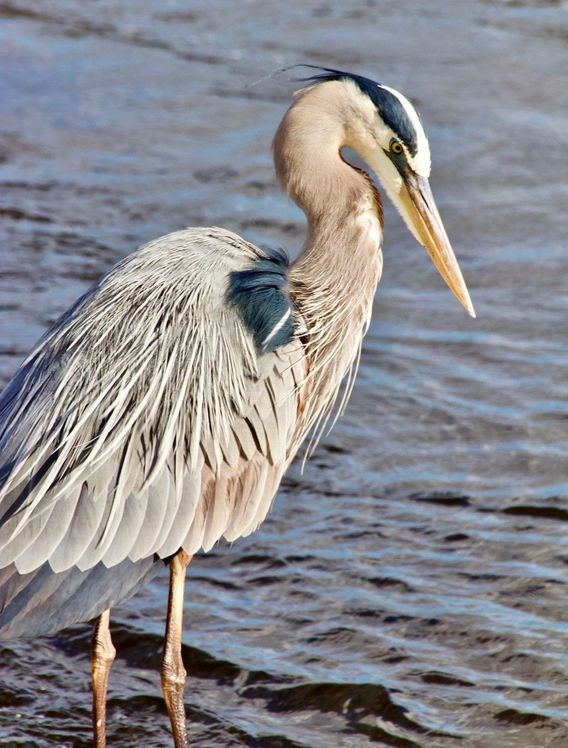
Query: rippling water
(410, 588)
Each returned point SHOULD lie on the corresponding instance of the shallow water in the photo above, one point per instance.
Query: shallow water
(409, 589)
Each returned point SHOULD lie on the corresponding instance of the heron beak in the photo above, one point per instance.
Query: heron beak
(425, 223)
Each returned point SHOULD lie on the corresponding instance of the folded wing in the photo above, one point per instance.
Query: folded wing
(158, 412)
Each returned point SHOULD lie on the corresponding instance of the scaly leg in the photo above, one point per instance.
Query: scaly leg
(173, 671)
(102, 657)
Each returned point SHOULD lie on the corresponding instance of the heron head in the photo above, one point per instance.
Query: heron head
(383, 127)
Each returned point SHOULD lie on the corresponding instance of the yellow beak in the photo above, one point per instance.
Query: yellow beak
(425, 223)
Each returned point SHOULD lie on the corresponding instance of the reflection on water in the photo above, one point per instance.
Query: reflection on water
(409, 589)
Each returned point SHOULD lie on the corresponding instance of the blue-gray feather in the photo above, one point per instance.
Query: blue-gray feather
(43, 602)
(260, 296)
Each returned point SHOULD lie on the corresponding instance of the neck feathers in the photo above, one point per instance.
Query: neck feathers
(307, 157)
(332, 283)
(341, 204)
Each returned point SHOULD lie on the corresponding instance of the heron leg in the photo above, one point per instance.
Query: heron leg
(102, 657)
(173, 671)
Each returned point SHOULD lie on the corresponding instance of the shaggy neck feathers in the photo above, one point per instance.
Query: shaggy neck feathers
(333, 281)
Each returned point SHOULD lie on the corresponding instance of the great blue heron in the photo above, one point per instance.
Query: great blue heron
(161, 411)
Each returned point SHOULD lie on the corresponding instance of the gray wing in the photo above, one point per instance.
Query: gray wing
(148, 419)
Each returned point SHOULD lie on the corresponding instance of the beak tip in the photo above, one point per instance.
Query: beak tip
(466, 303)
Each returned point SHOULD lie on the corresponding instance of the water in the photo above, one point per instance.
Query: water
(410, 588)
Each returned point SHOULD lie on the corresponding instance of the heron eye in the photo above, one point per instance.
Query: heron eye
(396, 147)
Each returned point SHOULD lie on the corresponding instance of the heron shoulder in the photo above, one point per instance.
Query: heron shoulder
(191, 257)
(259, 294)
(223, 273)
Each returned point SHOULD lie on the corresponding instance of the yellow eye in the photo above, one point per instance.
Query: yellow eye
(396, 147)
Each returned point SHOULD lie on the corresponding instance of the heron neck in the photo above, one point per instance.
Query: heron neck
(342, 207)
(332, 283)
(337, 272)
(335, 276)
(345, 227)
(340, 262)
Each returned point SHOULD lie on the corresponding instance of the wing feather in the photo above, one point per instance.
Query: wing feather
(172, 498)
(84, 523)
(244, 440)
(183, 518)
(19, 542)
(52, 533)
(131, 522)
(98, 546)
(195, 532)
(148, 536)
(249, 481)
(261, 506)
(149, 418)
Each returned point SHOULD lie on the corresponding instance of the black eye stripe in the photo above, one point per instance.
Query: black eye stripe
(398, 159)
